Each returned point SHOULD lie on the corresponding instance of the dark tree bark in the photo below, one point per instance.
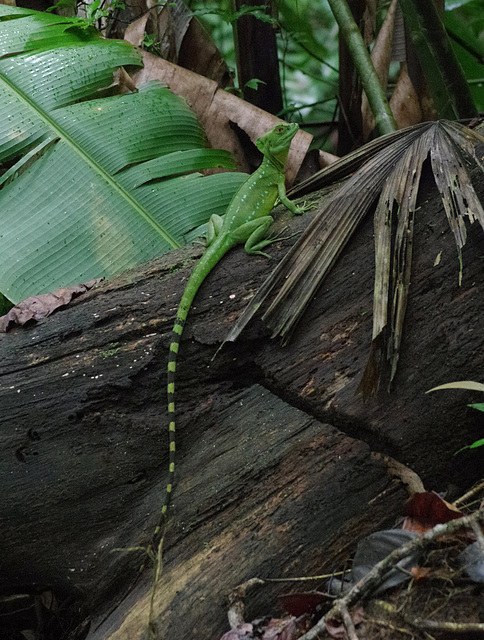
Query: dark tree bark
(256, 56)
(350, 124)
(277, 473)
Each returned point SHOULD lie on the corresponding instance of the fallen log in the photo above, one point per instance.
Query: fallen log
(276, 475)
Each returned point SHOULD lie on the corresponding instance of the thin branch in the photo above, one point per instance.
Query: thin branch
(348, 624)
(453, 627)
(384, 119)
(470, 494)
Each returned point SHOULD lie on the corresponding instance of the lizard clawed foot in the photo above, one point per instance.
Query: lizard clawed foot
(305, 206)
(273, 239)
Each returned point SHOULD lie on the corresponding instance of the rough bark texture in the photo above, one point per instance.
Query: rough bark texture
(275, 473)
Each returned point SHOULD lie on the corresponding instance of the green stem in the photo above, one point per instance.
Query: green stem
(384, 119)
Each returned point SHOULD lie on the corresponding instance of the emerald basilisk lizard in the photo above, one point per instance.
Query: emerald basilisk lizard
(247, 222)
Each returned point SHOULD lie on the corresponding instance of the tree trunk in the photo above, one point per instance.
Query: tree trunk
(257, 59)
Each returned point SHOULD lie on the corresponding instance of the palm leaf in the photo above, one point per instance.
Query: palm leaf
(389, 171)
(97, 188)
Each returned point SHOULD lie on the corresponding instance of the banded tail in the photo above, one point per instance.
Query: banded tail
(206, 263)
(157, 539)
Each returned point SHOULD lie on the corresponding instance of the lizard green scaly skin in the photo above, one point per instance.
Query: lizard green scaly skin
(246, 221)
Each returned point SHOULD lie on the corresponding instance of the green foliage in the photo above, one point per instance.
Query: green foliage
(254, 83)
(308, 50)
(478, 443)
(229, 17)
(150, 42)
(63, 5)
(308, 54)
(479, 406)
(465, 25)
(5, 305)
(95, 185)
(98, 9)
(108, 353)
(469, 385)
(95, 11)
(474, 445)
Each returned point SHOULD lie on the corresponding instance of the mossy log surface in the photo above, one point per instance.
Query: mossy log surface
(276, 468)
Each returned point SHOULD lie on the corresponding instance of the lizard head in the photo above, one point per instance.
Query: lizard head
(277, 141)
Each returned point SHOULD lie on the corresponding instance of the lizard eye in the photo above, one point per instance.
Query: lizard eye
(279, 129)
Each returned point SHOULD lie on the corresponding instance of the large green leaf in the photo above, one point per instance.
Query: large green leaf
(96, 188)
(465, 25)
(444, 77)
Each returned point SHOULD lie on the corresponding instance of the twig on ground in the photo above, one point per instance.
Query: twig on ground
(348, 624)
(325, 576)
(449, 627)
(470, 494)
(389, 625)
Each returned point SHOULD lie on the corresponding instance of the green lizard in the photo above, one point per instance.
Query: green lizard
(247, 220)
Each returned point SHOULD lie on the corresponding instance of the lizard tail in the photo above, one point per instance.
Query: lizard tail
(206, 263)
(170, 391)
(159, 532)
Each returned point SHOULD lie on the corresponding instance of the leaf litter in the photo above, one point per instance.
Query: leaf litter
(35, 308)
(421, 578)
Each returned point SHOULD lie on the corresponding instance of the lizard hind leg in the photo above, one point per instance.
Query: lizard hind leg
(259, 239)
(254, 234)
(214, 227)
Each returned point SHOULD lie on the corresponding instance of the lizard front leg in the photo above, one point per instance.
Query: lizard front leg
(293, 208)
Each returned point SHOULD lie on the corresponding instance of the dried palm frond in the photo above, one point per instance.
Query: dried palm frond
(390, 170)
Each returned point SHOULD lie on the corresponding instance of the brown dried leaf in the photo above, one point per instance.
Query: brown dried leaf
(418, 573)
(395, 208)
(280, 629)
(450, 172)
(425, 510)
(37, 307)
(136, 30)
(404, 102)
(215, 108)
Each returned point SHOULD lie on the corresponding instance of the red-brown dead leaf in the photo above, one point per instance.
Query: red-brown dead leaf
(298, 604)
(38, 307)
(425, 510)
